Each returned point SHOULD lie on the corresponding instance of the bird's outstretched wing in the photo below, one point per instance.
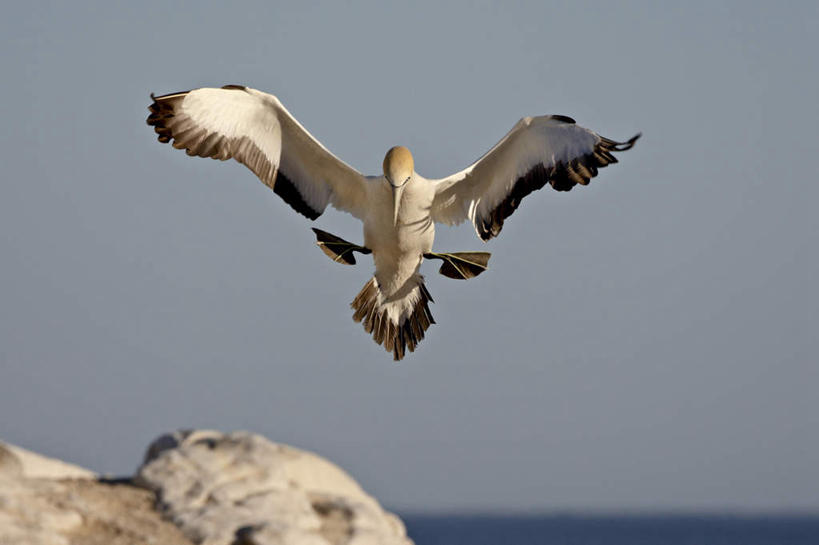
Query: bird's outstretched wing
(255, 129)
(538, 150)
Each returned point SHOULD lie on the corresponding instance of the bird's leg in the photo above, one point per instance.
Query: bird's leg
(338, 249)
(462, 265)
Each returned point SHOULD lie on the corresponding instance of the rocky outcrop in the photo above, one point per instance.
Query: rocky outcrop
(241, 489)
(195, 487)
(48, 502)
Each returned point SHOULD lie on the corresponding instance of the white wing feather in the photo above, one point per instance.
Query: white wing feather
(255, 129)
(536, 151)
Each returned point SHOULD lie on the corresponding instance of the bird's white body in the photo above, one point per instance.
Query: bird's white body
(398, 248)
(398, 209)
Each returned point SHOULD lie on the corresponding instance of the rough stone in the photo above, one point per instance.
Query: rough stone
(80, 512)
(241, 488)
(194, 487)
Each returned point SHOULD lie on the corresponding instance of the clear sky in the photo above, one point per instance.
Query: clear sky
(646, 342)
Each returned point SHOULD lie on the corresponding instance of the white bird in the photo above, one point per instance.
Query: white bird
(399, 209)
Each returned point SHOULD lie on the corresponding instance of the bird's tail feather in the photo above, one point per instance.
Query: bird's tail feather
(397, 322)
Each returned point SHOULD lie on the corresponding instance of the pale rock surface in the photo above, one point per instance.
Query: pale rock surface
(36, 466)
(26, 516)
(48, 502)
(241, 489)
(198, 487)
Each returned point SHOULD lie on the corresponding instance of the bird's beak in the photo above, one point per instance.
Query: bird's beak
(397, 190)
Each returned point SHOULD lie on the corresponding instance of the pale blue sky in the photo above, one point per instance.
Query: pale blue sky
(647, 342)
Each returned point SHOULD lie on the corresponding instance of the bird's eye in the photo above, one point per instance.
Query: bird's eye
(407, 180)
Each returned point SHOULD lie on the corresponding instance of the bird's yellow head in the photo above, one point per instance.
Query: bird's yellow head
(398, 168)
(398, 165)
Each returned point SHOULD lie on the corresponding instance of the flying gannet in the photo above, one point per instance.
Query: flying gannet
(399, 209)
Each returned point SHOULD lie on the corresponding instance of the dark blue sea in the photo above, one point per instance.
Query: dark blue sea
(613, 530)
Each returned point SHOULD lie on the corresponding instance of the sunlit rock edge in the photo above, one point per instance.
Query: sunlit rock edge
(201, 487)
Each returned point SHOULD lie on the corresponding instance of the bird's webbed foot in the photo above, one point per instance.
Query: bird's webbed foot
(462, 265)
(338, 249)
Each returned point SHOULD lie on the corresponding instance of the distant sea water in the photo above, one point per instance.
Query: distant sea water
(613, 530)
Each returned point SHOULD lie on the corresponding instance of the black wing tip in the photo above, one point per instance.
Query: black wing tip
(613, 145)
(162, 109)
(563, 118)
(562, 177)
(230, 86)
(486, 231)
(161, 112)
(178, 94)
(628, 144)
